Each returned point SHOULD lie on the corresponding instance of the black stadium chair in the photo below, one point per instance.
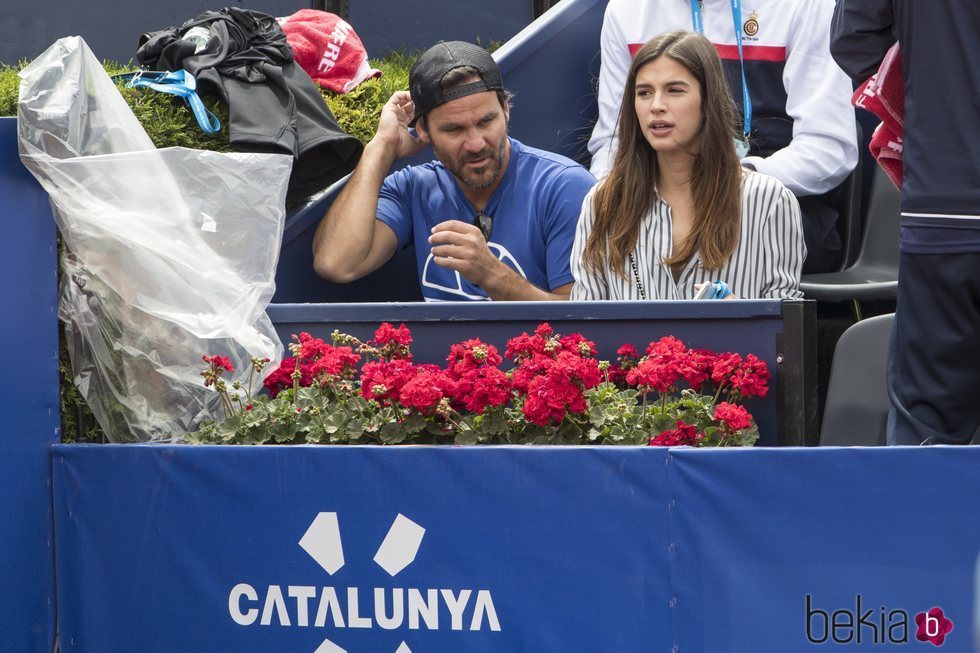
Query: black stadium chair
(874, 272)
(847, 200)
(856, 408)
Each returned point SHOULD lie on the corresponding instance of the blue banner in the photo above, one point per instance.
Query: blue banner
(326, 549)
(857, 549)
(377, 549)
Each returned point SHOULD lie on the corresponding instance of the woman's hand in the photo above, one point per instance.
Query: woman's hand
(709, 290)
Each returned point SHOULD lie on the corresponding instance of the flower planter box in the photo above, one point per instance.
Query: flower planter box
(779, 333)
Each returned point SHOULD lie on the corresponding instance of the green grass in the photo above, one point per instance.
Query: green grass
(358, 112)
(170, 123)
(9, 83)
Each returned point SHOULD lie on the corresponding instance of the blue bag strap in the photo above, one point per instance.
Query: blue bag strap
(182, 84)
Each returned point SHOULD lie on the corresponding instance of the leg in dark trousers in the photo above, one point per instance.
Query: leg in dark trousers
(934, 358)
(820, 235)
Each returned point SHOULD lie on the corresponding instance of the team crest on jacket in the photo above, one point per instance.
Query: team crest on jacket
(751, 26)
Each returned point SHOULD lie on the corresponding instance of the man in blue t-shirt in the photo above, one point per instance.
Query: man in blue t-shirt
(490, 218)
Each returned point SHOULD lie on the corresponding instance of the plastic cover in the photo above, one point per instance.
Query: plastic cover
(171, 253)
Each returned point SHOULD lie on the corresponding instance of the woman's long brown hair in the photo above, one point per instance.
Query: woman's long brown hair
(628, 192)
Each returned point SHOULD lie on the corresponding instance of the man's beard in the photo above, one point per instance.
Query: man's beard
(490, 171)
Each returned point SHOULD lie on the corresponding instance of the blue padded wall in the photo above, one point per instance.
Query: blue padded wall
(30, 27)
(579, 549)
(385, 26)
(29, 403)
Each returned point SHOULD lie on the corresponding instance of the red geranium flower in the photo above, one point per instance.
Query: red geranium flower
(668, 346)
(555, 386)
(627, 359)
(576, 342)
(657, 373)
(628, 351)
(694, 366)
(734, 417)
(217, 365)
(483, 387)
(281, 377)
(392, 343)
(219, 362)
(318, 363)
(550, 398)
(387, 333)
(334, 363)
(425, 390)
(529, 368)
(383, 381)
(683, 435)
(523, 347)
(309, 347)
(751, 378)
(471, 354)
(723, 365)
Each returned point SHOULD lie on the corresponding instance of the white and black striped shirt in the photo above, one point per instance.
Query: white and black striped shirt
(766, 262)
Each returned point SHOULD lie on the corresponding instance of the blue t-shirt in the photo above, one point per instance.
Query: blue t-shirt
(534, 209)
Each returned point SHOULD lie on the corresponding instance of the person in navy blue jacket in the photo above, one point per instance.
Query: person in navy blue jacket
(934, 366)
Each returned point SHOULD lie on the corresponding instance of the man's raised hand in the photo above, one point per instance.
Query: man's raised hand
(393, 126)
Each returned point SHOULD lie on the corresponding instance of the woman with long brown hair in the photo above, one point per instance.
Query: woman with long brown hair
(677, 210)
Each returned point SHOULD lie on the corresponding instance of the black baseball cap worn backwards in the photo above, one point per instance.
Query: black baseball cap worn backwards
(425, 77)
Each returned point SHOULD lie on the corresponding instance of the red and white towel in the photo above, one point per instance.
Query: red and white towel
(883, 94)
(328, 49)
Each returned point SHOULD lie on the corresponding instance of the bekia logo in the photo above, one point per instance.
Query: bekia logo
(933, 626)
(877, 626)
(387, 608)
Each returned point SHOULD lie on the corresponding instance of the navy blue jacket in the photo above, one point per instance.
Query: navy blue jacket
(940, 50)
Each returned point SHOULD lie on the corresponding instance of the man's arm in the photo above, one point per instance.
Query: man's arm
(860, 35)
(350, 242)
(461, 247)
(823, 150)
(614, 65)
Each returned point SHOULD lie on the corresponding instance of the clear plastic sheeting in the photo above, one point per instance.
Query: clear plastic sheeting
(171, 254)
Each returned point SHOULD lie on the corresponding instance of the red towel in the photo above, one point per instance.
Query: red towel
(883, 94)
(328, 49)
